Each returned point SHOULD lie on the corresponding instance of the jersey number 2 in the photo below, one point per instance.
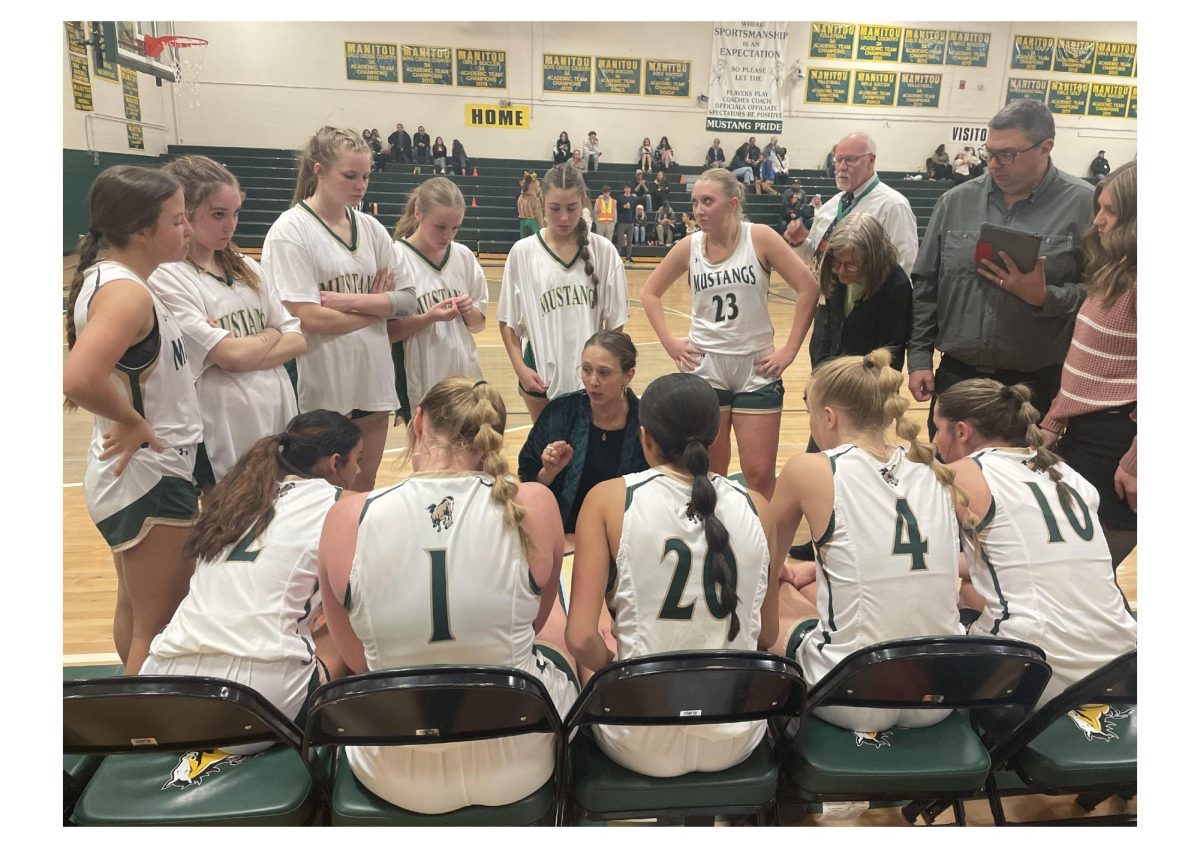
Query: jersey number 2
(683, 567)
(729, 301)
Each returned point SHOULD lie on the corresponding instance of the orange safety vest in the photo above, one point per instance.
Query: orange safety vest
(606, 212)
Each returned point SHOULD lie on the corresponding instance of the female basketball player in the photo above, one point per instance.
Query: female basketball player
(451, 292)
(322, 244)
(887, 539)
(731, 341)
(1095, 411)
(561, 286)
(457, 564)
(1037, 556)
(128, 366)
(692, 570)
(238, 333)
(248, 611)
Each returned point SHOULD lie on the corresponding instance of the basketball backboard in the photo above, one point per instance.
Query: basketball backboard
(125, 45)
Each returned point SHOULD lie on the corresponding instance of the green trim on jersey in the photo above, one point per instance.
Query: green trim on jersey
(435, 266)
(554, 256)
(404, 410)
(999, 592)
(172, 499)
(768, 398)
(367, 503)
(629, 490)
(552, 654)
(745, 493)
(227, 279)
(797, 636)
(353, 245)
(534, 587)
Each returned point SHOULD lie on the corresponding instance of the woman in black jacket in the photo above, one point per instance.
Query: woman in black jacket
(867, 296)
(583, 438)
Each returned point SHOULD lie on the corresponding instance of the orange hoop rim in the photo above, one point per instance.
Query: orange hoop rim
(155, 44)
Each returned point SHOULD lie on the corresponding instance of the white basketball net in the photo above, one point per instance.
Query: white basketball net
(187, 62)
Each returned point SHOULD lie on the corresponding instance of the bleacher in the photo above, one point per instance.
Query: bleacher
(268, 178)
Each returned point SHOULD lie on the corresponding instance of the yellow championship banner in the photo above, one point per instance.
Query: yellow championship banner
(426, 65)
(368, 61)
(81, 84)
(561, 72)
(492, 116)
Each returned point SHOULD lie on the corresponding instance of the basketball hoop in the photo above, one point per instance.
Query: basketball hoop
(187, 74)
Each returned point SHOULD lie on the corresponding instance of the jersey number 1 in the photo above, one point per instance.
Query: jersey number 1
(439, 603)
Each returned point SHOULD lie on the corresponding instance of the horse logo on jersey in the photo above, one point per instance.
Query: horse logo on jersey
(442, 513)
(1097, 721)
(874, 739)
(888, 473)
(194, 766)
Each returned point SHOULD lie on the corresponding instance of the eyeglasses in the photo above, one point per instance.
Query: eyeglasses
(848, 267)
(1006, 157)
(850, 160)
(586, 372)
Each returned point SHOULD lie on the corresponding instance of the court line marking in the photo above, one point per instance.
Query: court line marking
(90, 659)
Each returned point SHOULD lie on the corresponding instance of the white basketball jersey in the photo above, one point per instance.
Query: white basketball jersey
(238, 407)
(256, 598)
(554, 308)
(1041, 563)
(729, 299)
(154, 375)
(664, 598)
(445, 348)
(887, 564)
(303, 257)
(439, 578)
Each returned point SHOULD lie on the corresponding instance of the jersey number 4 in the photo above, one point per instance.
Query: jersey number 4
(915, 547)
(727, 308)
(671, 607)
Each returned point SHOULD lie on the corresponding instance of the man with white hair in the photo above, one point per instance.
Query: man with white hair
(861, 191)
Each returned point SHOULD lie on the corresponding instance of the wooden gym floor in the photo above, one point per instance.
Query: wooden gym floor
(89, 583)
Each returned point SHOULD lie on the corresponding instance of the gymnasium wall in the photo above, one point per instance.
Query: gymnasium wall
(272, 84)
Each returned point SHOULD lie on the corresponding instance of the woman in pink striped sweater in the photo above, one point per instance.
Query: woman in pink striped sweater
(1094, 417)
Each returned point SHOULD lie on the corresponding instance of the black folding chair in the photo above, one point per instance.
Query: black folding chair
(173, 727)
(424, 705)
(681, 688)
(1082, 741)
(946, 760)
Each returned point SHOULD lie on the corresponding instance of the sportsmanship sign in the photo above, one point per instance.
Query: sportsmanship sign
(745, 93)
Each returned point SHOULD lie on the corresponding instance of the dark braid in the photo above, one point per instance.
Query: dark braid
(589, 268)
(567, 176)
(89, 249)
(682, 415)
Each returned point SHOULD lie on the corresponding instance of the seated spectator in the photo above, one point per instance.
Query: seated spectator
(740, 167)
(592, 152)
(401, 145)
(421, 147)
(585, 437)
(940, 161)
(829, 167)
(753, 156)
(371, 137)
(1099, 167)
(689, 225)
(666, 225)
(663, 154)
(439, 153)
(562, 148)
(645, 155)
(782, 177)
(639, 224)
(458, 155)
(715, 157)
(965, 162)
(792, 208)
(642, 190)
(766, 176)
(660, 191)
(577, 161)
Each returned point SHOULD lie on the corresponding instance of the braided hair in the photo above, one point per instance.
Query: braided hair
(567, 176)
(681, 413)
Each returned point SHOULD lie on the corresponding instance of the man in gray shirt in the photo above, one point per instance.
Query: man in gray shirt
(988, 318)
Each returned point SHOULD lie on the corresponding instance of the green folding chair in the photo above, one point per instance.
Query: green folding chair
(161, 737)
(946, 760)
(430, 705)
(681, 688)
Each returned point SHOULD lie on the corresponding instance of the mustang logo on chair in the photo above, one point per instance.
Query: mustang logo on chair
(1097, 721)
(194, 766)
(873, 739)
(442, 514)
